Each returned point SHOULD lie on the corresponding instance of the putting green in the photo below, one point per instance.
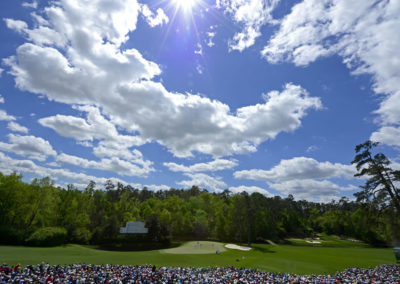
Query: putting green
(196, 247)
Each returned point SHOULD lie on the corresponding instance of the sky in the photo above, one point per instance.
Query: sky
(267, 96)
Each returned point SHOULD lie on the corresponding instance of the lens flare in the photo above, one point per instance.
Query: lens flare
(185, 5)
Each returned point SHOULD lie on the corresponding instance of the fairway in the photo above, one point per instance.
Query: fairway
(197, 247)
(289, 259)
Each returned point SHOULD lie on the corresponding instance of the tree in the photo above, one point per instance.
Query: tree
(158, 231)
(381, 183)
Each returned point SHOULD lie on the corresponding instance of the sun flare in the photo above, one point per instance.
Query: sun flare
(185, 5)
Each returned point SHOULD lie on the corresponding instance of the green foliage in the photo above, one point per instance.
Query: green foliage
(48, 237)
(94, 216)
(380, 186)
(158, 230)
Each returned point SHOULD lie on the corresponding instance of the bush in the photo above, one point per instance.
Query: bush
(48, 237)
(80, 236)
(10, 236)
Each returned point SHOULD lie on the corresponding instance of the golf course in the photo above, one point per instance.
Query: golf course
(282, 258)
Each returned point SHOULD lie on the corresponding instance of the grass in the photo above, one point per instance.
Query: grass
(284, 258)
(327, 241)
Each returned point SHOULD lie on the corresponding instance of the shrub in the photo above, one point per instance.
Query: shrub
(10, 236)
(80, 236)
(48, 237)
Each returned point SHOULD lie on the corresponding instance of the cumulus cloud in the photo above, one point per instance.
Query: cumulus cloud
(216, 165)
(251, 15)
(13, 126)
(16, 25)
(361, 32)
(95, 127)
(33, 4)
(92, 68)
(312, 190)
(387, 135)
(69, 126)
(114, 164)
(28, 146)
(154, 20)
(9, 165)
(297, 169)
(304, 178)
(157, 187)
(42, 35)
(203, 181)
(250, 190)
(6, 117)
(1, 99)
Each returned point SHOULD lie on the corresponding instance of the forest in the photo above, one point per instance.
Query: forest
(39, 213)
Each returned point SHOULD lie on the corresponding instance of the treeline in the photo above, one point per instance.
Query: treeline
(40, 213)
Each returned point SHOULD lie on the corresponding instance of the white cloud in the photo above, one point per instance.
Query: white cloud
(93, 69)
(312, 190)
(114, 164)
(200, 49)
(8, 165)
(250, 190)
(41, 36)
(312, 148)
(16, 25)
(203, 181)
(157, 187)
(387, 135)
(69, 126)
(210, 42)
(33, 4)
(216, 165)
(1, 71)
(1, 99)
(361, 32)
(154, 20)
(252, 15)
(118, 149)
(6, 117)
(297, 169)
(199, 69)
(304, 178)
(13, 126)
(95, 127)
(85, 143)
(28, 146)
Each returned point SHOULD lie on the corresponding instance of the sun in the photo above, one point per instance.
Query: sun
(185, 5)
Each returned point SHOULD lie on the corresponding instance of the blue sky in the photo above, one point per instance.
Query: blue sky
(266, 96)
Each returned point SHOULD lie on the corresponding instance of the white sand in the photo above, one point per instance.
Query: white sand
(313, 242)
(232, 246)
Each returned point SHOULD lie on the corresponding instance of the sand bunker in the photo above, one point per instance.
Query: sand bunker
(232, 246)
(313, 242)
(197, 247)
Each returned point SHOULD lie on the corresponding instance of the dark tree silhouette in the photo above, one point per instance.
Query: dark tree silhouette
(381, 184)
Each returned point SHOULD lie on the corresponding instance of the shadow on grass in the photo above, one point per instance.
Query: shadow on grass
(263, 249)
(137, 246)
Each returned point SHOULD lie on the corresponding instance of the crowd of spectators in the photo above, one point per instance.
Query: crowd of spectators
(82, 273)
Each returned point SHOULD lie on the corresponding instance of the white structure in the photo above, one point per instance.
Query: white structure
(134, 228)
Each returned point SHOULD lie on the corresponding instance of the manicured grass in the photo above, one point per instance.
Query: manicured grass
(284, 258)
(327, 241)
